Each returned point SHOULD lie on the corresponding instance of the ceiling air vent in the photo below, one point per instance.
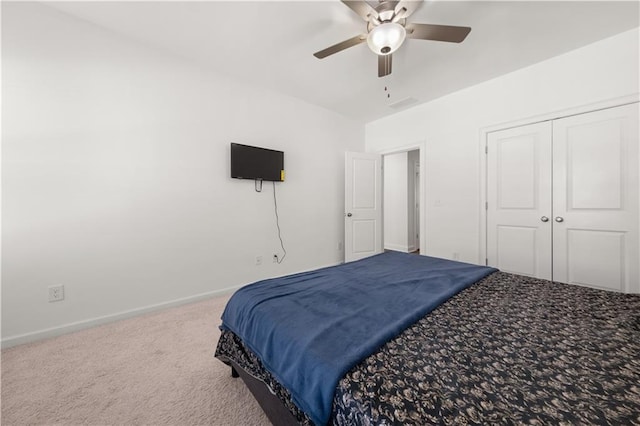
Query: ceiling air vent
(402, 103)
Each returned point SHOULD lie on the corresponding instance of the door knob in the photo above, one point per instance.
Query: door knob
(544, 219)
(349, 215)
(559, 219)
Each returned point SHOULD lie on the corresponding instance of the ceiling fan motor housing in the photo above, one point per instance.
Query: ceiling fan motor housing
(386, 33)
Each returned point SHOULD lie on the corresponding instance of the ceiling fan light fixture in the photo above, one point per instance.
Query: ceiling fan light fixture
(386, 38)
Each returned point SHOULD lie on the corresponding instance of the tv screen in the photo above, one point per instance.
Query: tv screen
(252, 162)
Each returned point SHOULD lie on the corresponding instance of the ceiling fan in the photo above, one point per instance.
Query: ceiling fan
(387, 28)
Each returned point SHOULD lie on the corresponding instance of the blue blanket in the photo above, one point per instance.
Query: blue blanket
(309, 329)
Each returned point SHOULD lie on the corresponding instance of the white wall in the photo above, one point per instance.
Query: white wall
(115, 177)
(452, 126)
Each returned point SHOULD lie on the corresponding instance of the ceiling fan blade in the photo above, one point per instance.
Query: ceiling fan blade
(405, 8)
(384, 65)
(361, 7)
(437, 32)
(340, 46)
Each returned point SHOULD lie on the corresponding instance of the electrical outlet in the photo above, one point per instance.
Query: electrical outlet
(275, 258)
(258, 260)
(340, 246)
(56, 293)
(456, 256)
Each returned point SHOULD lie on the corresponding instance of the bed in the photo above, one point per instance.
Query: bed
(497, 349)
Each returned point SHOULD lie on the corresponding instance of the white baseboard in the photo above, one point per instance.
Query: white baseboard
(47, 333)
(397, 247)
(8, 342)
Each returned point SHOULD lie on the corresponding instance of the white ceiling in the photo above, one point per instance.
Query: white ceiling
(270, 43)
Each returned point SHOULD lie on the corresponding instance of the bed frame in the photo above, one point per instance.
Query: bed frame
(275, 410)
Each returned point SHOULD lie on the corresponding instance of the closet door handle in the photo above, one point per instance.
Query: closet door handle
(559, 219)
(544, 219)
(349, 215)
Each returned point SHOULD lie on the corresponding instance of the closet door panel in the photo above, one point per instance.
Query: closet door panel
(593, 164)
(518, 200)
(595, 199)
(596, 258)
(524, 258)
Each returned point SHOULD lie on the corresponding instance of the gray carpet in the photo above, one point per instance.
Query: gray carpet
(157, 369)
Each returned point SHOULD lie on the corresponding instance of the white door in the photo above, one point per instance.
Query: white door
(595, 199)
(563, 199)
(363, 205)
(416, 199)
(519, 200)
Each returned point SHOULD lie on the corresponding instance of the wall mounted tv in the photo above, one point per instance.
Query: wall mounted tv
(252, 162)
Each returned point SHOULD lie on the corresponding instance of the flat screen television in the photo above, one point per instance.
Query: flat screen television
(252, 162)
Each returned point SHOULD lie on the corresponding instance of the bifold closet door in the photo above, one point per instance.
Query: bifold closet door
(519, 218)
(595, 199)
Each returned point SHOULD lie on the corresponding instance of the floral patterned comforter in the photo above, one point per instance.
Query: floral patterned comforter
(508, 350)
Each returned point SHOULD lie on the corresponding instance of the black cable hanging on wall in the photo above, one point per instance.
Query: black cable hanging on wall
(275, 205)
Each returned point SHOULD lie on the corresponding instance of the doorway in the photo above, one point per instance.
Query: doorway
(401, 201)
